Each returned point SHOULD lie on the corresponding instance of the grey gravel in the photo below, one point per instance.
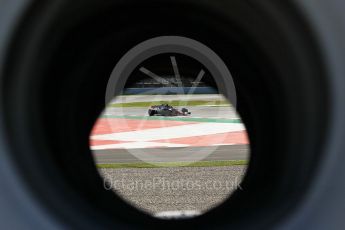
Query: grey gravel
(174, 189)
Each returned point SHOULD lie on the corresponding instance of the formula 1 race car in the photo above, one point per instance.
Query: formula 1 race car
(167, 110)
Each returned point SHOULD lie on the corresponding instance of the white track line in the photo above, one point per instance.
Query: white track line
(172, 132)
(137, 145)
(223, 144)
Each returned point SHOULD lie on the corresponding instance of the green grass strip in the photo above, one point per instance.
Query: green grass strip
(172, 103)
(187, 119)
(174, 164)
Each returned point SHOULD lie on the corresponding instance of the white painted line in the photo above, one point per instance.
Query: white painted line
(221, 144)
(136, 145)
(172, 132)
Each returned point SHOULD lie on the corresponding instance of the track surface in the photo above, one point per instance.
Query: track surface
(197, 111)
(122, 155)
(231, 152)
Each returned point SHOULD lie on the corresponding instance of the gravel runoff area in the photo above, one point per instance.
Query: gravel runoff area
(156, 190)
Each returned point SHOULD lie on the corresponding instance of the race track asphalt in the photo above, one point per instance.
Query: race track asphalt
(221, 153)
(197, 111)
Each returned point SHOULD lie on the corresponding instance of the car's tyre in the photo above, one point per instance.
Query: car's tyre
(184, 110)
(151, 112)
(287, 60)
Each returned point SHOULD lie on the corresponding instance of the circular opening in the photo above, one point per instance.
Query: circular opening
(171, 144)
